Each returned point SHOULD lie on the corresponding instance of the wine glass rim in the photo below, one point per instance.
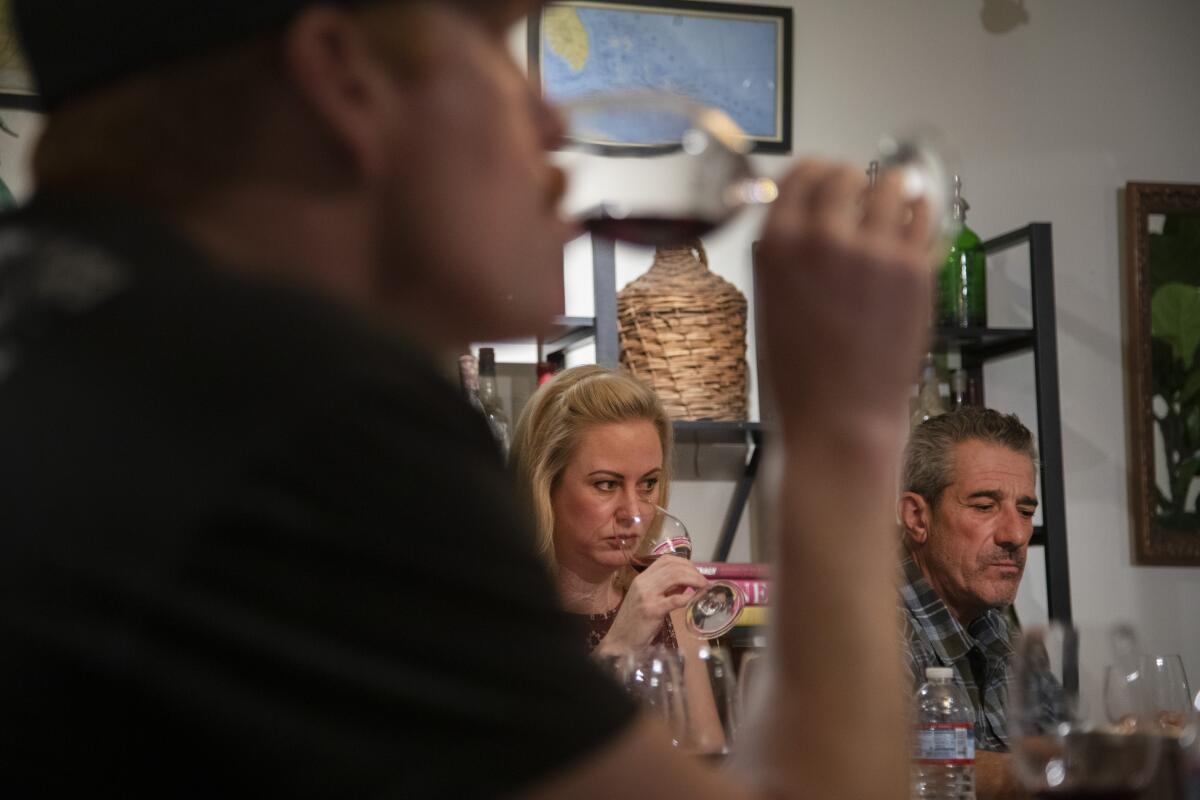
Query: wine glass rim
(714, 121)
(1160, 659)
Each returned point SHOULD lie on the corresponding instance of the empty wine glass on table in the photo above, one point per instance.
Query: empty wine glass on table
(673, 169)
(1064, 744)
(719, 672)
(654, 677)
(712, 611)
(1168, 693)
(657, 678)
(1171, 717)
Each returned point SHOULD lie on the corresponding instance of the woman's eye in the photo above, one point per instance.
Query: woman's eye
(649, 485)
(606, 486)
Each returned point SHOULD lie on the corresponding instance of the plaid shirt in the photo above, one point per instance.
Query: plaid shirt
(980, 655)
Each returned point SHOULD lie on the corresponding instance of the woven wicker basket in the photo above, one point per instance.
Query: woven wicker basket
(683, 331)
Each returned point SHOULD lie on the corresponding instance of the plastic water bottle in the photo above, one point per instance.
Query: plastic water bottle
(943, 759)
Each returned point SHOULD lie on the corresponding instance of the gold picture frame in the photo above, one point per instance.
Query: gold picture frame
(1163, 314)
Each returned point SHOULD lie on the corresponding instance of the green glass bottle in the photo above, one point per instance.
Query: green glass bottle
(962, 280)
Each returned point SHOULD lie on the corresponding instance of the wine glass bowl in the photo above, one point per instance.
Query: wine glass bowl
(688, 173)
(663, 535)
(1169, 695)
(690, 170)
(927, 165)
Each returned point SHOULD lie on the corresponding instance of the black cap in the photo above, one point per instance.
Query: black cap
(76, 45)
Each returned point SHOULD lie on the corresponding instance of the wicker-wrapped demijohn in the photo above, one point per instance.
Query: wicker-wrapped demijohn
(683, 331)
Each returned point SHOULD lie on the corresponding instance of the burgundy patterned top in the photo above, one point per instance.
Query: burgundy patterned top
(598, 625)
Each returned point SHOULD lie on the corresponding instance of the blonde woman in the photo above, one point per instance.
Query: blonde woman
(592, 449)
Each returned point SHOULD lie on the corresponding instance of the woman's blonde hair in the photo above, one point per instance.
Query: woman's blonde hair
(552, 423)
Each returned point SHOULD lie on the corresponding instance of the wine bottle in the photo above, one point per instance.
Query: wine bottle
(489, 397)
(962, 280)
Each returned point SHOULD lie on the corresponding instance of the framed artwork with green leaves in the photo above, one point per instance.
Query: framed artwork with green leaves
(1163, 293)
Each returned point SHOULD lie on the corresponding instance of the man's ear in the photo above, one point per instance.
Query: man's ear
(348, 88)
(915, 517)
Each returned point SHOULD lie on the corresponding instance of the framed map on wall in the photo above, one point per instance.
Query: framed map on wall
(737, 58)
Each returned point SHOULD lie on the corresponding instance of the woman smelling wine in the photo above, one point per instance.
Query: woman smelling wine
(592, 454)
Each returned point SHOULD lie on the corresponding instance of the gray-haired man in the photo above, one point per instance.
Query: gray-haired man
(967, 511)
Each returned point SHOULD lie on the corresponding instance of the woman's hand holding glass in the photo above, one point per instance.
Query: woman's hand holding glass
(651, 597)
(710, 612)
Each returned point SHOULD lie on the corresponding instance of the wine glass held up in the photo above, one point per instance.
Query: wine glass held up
(712, 611)
(690, 171)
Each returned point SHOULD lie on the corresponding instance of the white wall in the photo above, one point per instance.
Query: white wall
(1052, 120)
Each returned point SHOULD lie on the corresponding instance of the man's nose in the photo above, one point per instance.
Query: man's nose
(1015, 530)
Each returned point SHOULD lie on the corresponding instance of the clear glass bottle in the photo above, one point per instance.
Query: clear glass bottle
(943, 758)
(489, 397)
(929, 395)
(961, 300)
(958, 390)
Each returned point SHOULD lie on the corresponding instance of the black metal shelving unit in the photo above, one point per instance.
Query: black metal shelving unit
(981, 345)
(977, 346)
(1043, 342)
(701, 432)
